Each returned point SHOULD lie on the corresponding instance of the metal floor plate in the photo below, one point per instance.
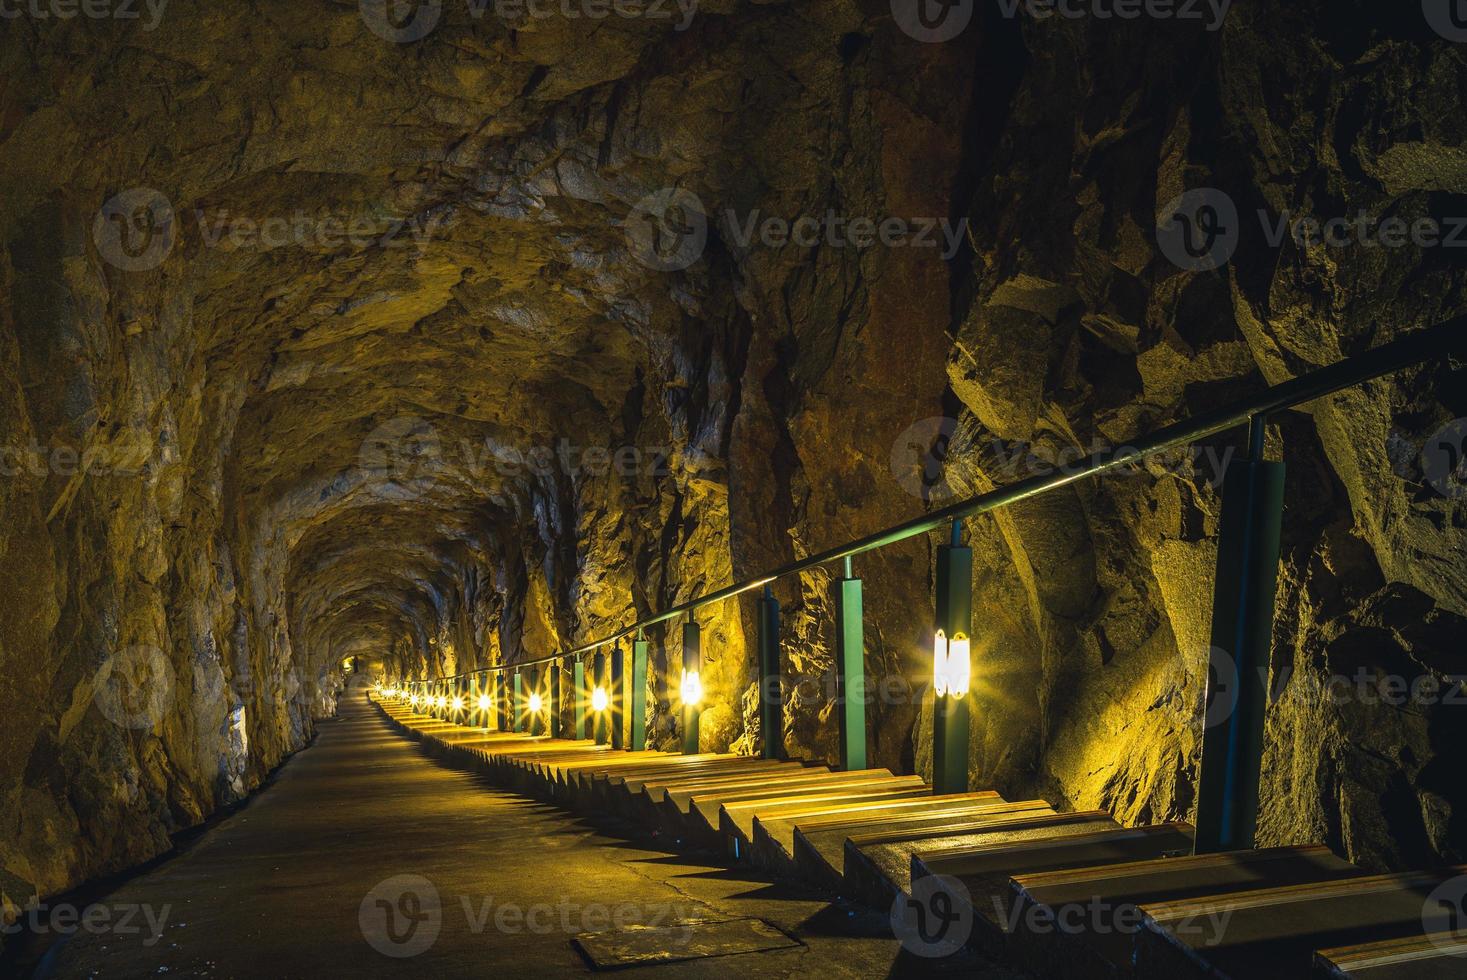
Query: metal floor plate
(691, 940)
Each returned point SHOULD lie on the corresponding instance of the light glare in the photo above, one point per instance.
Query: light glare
(959, 665)
(692, 688)
(952, 665)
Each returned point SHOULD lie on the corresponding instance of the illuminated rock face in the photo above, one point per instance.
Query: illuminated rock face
(342, 406)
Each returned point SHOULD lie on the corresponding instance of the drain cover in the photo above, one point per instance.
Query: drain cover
(692, 940)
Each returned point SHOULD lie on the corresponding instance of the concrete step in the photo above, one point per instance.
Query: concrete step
(1273, 933)
(732, 765)
(698, 811)
(779, 829)
(774, 845)
(707, 802)
(1437, 956)
(657, 790)
(878, 865)
(652, 806)
(626, 794)
(819, 849)
(736, 819)
(1083, 922)
(984, 872)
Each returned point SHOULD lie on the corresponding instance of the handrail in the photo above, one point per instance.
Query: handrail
(1413, 348)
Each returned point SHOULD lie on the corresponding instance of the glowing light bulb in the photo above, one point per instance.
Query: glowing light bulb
(599, 699)
(535, 704)
(692, 688)
(440, 701)
(484, 702)
(952, 665)
(458, 704)
(414, 700)
(959, 665)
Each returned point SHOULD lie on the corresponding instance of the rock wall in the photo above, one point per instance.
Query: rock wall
(416, 370)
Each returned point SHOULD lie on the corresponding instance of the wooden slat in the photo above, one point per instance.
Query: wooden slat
(1437, 956)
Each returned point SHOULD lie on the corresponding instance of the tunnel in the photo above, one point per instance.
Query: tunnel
(713, 487)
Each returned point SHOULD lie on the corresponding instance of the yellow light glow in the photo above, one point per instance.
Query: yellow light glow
(484, 702)
(458, 704)
(440, 701)
(535, 704)
(599, 699)
(952, 665)
(414, 700)
(959, 665)
(692, 688)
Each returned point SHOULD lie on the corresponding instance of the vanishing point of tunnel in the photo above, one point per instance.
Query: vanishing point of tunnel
(720, 488)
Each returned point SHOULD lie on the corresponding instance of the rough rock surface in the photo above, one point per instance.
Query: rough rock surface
(348, 412)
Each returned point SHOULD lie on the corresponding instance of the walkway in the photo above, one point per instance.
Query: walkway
(331, 872)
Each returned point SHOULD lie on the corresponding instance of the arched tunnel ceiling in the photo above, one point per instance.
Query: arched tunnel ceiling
(366, 394)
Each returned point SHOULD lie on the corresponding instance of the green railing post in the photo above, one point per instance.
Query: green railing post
(618, 698)
(552, 705)
(517, 703)
(771, 690)
(1242, 637)
(850, 671)
(578, 695)
(954, 618)
(692, 668)
(637, 701)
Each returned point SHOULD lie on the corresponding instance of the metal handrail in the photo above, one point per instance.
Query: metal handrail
(1415, 347)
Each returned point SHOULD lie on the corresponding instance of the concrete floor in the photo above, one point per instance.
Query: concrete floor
(301, 883)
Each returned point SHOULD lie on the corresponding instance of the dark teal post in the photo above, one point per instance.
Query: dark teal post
(949, 713)
(618, 698)
(771, 690)
(1242, 637)
(517, 703)
(850, 671)
(637, 702)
